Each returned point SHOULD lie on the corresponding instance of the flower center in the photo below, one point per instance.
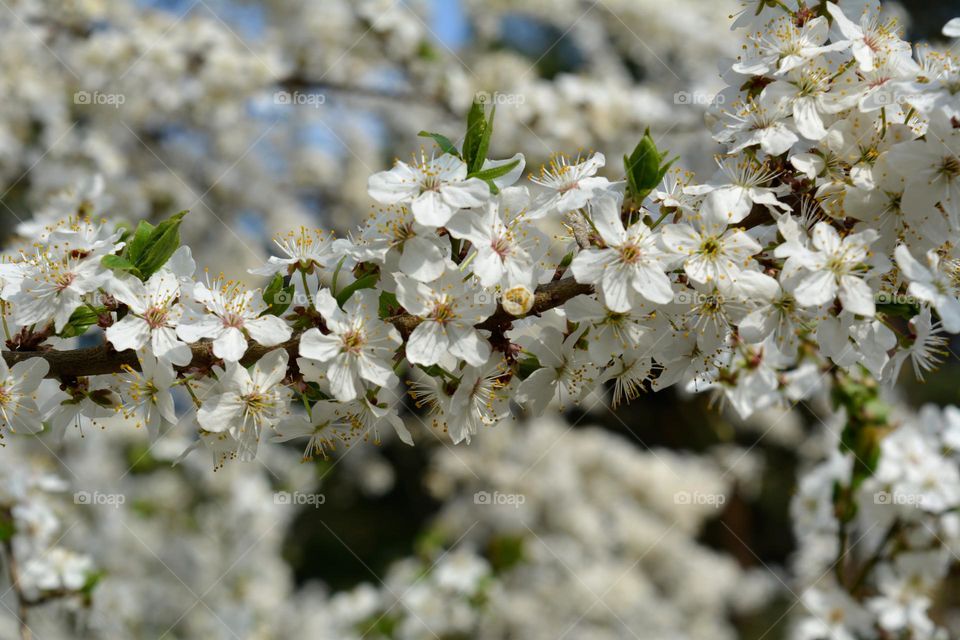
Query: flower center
(353, 341)
(155, 317)
(630, 253)
(430, 183)
(255, 405)
(64, 280)
(501, 246)
(837, 265)
(233, 320)
(950, 167)
(442, 313)
(710, 247)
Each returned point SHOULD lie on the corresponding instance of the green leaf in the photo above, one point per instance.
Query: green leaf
(93, 579)
(388, 304)
(505, 551)
(477, 140)
(486, 134)
(277, 297)
(495, 172)
(442, 141)
(135, 248)
(119, 264)
(643, 169)
(528, 366)
(80, 320)
(7, 525)
(160, 245)
(366, 282)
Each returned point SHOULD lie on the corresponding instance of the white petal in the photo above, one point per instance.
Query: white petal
(653, 284)
(421, 259)
(375, 371)
(589, 265)
(616, 290)
(231, 345)
(316, 346)
(427, 344)
(390, 187)
(342, 376)
(268, 330)
(468, 344)
(857, 296)
(220, 413)
(130, 333)
(472, 192)
(430, 210)
(820, 287)
(605, 213)
(206, 326)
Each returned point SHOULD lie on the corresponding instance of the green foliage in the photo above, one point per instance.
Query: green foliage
(80, 320)
(148, 249)
(365, 282)
(476, 144)
(277, 297)
(442, 141)
(477, 141)
(867, 423)
(7, 527)
(389, 304)
(505, 552)
(496, 172)
(644, 169)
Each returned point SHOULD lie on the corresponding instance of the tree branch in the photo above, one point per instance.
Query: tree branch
(104, 359)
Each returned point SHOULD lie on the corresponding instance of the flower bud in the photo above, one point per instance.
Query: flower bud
(518, 300)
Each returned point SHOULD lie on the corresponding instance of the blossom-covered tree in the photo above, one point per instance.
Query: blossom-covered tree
(816, 261)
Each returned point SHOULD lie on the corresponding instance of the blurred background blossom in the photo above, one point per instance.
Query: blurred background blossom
(659, 520)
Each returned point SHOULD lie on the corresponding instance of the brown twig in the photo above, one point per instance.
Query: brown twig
(104, 359)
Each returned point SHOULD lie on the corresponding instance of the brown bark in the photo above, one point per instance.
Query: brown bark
(104, 359)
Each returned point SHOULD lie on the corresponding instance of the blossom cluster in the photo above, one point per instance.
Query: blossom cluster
(820, 241)
(873, 566)
(820, 253)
